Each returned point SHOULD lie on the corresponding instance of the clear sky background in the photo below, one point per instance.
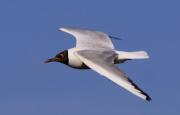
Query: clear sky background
(29, 35)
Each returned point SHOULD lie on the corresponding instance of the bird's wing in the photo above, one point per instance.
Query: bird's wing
(90, 39)
(101, 62)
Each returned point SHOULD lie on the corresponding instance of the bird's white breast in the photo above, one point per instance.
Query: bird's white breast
(74, 61)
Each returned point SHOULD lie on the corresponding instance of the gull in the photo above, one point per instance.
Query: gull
(95, 50)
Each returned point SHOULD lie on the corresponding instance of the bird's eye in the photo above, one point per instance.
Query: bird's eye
(60, 56)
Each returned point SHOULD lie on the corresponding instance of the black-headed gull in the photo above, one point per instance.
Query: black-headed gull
(95, 50)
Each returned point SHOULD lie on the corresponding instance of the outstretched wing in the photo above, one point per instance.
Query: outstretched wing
(101, 62)
(89, 39)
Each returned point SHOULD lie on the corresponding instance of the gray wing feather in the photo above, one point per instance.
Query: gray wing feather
(101, 62)
(89, 39)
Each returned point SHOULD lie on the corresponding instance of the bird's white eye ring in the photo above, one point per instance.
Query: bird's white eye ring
(62, 55)
(59, 55)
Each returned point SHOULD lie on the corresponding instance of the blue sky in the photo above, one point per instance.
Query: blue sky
(29, 35)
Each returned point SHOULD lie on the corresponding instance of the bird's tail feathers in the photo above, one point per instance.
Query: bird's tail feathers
(132, 55)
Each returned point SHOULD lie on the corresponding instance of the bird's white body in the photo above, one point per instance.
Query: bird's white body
(74, 61)
(95, 50)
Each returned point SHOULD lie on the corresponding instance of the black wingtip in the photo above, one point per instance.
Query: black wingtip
(148, 98)
(113, 37)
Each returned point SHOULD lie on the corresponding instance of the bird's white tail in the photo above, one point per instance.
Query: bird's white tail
(132, 55)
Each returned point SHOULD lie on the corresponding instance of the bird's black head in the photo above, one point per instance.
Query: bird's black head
(61, 57)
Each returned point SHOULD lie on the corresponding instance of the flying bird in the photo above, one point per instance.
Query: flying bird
(94, 50)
